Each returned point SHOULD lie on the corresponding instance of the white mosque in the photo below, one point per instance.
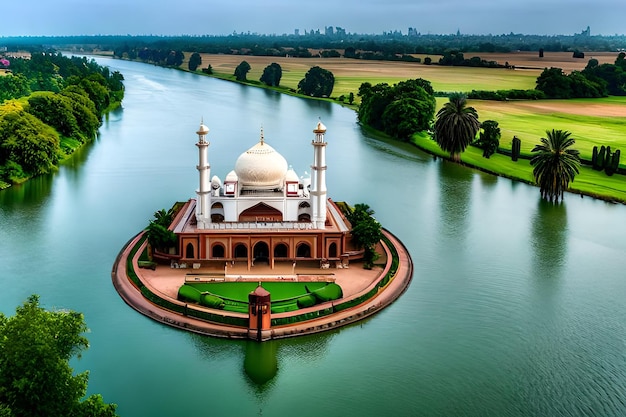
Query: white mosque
(262, 211)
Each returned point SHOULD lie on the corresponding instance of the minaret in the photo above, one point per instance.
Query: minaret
(318, 177)
(203, 203)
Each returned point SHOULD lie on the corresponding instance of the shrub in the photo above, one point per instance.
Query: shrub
(211, 301)
(188, 293)
(330, 292)
(305, 301)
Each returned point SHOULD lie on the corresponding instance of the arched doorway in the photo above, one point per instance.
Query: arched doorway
(217, 213)
(261, 252)
(281, 251)
(218, 251)
(332, 250)
(190, 253)
(303, 250)
(241, 251)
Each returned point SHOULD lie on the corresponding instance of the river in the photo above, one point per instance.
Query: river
(516, 306)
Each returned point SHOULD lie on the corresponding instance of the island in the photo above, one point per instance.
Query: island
(262, 254)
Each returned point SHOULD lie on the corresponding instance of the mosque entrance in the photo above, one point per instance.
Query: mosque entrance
(261, 253)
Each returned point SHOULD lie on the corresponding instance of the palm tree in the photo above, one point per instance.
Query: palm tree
(456, 125)
(554, 165)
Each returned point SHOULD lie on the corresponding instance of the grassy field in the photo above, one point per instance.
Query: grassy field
(350, 73)
(592, 122)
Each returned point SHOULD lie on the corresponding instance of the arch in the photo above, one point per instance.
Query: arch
(304, 217)
(217, 212)
(332, 250)
(241, 251)
(218, 251)
(281, 250)
(303, 250)
(261, 252)
(190, 251)
(304, 204)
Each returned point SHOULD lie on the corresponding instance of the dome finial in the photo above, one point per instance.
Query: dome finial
(320, 128)
(262, 138)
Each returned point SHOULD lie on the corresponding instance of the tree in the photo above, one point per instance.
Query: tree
(195, 60)
(366, 231)
(36, 379)
(489, 139)
(159, 236)
(399, 110)
(456, 125)
(55, 110)
(242, 71)
(554, 83)
(317, 82)
(272, 74)
(28, 142)
(555, 165)
(13, 86)
(402, 118)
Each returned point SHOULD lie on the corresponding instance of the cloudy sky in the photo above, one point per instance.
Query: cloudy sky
(216, 17)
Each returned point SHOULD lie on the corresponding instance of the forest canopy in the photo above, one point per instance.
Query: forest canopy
(50, 105)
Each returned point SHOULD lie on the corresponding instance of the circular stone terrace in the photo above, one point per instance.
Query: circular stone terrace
(365, 292)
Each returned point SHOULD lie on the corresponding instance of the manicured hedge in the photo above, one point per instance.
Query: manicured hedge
(330, 292)
(305, 301)
(211, 301)
(189, 293)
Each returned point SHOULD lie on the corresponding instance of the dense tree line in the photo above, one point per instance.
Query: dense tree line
(399, 110)
(56, 102)
(594, 81)
(456, 58)
(386, 44)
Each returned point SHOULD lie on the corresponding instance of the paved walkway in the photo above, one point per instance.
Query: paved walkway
(165, 282)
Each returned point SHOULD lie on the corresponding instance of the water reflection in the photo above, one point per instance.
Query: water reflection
(454, 198)
(549, 239)
(31, 193)
(261, 363)
(326, 106)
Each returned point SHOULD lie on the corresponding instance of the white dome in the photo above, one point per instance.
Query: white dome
(215, 182)
(261, 167)
(291, 176)
(232, 177)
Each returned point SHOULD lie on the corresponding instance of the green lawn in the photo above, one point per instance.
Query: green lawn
(239, 290)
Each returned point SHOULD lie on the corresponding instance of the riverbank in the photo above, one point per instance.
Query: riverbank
(527, 126)
(558, 114)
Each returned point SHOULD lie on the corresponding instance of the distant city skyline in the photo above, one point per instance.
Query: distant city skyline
(196, 17)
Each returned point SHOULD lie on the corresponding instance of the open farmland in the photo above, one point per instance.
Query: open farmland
(350, 73)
